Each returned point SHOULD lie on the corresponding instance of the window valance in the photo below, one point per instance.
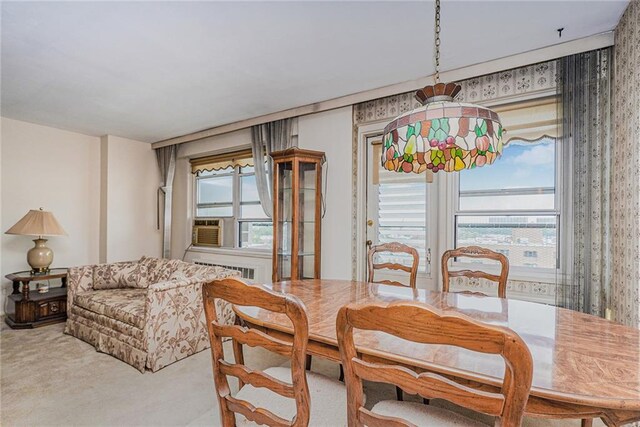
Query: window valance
(531, 121)
(222, 161)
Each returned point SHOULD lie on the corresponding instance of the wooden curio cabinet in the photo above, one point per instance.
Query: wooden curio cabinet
(297, 212)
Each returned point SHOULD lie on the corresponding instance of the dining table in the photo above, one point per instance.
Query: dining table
(584, 366)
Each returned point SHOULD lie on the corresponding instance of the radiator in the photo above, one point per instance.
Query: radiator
(246, 272)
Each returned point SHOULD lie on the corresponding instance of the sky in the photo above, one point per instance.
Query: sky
(523, 164)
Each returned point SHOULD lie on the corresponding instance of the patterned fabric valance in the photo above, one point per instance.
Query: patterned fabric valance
(503, 85)
(531, 121)
(222, 161)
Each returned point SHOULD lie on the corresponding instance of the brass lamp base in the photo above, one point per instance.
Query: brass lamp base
(40, 257)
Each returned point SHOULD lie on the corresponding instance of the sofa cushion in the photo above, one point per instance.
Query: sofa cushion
(125, 305)
(130, 274)
(425, 415)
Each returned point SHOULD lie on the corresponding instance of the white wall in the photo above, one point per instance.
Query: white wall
(331, 132)
(56, 170)
(65, 173)
(128, 220)
(103, 191)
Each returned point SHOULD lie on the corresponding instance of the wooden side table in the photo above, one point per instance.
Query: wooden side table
(26, 310)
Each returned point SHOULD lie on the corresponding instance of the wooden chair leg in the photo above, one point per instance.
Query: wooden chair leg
(308, 362)
(399, 395)
(341, 379)
(587, 422)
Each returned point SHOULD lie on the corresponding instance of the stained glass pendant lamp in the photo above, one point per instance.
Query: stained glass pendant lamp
(442, 134)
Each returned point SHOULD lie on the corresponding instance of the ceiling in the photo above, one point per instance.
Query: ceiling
(155, 70)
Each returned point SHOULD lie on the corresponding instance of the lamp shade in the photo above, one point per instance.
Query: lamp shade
(37, 223)
(442, 134)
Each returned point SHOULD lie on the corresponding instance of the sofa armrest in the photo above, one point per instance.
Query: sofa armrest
(79, 279)
(175, 321)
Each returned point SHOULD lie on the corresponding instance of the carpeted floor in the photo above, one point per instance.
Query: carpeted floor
(52, 379)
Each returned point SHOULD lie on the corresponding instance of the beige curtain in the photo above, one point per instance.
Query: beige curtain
(166, 157)
(268, 138)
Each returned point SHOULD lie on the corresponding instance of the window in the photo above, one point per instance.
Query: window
(256, 229)
(510, 207)
(214, 194)
(232, 193)
(402, 214)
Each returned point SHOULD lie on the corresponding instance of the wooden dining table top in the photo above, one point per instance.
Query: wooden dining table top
(578, 358)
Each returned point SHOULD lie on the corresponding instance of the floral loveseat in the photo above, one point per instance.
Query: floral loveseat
(147, 313)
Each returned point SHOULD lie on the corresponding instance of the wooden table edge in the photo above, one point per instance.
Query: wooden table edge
(13, 277)
(584, 402)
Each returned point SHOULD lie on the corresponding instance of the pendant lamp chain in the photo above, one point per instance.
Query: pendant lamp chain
(437, 42)
(441, 134)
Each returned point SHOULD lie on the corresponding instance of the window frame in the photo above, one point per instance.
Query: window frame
(524, 273)
(236, 204)
(237, 217)
(426, 269)
(198, 205)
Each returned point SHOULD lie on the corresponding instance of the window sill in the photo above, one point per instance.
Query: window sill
(253, 253)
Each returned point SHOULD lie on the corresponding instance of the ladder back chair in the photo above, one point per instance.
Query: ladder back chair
(475, 252)
(393, 247)
(421, 323)
(290, 385)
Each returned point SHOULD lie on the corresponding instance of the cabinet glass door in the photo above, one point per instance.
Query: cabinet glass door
(285, 219)
(306, 218)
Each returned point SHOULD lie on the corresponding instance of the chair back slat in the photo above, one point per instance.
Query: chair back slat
(253, 338)
(475, 274)
(393, 247)
(392, 266)
(412, 321)
(476, 252)
(257, 415)
(257, 379)
(390, 282)
(237, 292)
(430, 385)
(424, 324)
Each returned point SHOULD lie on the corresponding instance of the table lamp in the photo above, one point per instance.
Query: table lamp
(38, 223)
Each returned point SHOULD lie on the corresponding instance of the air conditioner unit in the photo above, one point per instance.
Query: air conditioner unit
(207, 232)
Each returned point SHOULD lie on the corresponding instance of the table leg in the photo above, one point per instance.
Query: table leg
(25, 291)
(586, 422)
(16, 287)
(307, 363)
